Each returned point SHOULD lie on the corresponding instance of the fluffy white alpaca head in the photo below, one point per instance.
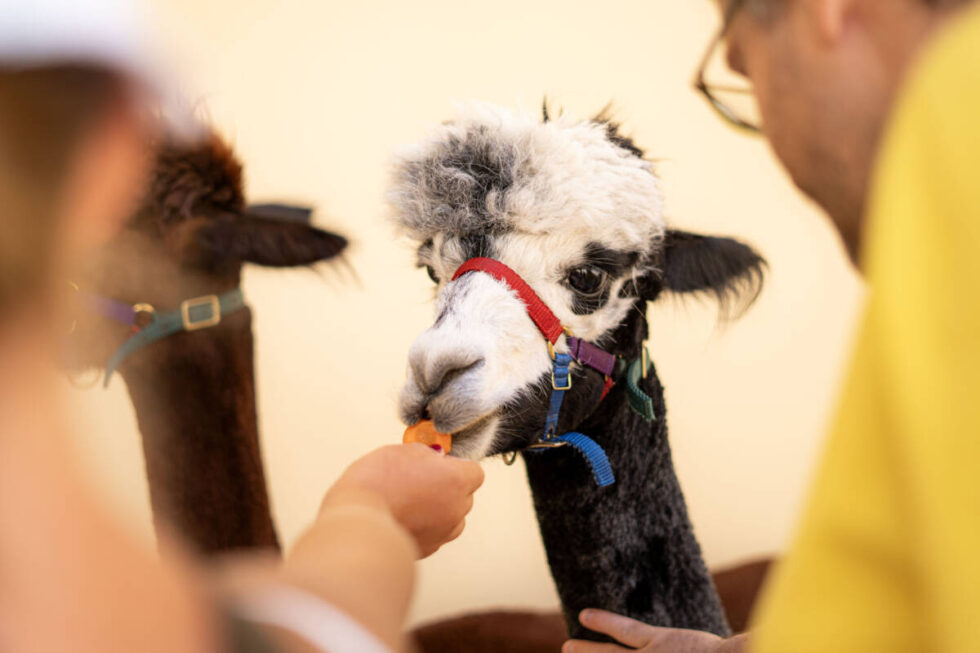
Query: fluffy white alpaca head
(574, 209)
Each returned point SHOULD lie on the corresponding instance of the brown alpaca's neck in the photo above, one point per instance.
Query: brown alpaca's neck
(194, 395)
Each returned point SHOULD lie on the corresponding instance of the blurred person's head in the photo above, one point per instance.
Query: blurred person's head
(825, 73)
(75, 77)
(70, 167)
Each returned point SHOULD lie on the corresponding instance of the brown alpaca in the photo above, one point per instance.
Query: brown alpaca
(194, 391)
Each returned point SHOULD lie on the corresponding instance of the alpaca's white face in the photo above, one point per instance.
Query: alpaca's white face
(576, 214)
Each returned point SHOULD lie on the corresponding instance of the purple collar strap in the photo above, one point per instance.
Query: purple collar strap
(112, 309)
(590, 355)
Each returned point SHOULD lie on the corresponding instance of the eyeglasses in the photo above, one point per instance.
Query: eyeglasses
(733, 102)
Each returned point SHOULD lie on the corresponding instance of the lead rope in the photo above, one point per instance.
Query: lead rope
(582, 352)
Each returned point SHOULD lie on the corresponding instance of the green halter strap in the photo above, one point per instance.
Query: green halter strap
(193, 315)
(639, 401)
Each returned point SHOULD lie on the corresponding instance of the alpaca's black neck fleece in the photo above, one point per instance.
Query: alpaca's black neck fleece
(628, 548)
(194, 395)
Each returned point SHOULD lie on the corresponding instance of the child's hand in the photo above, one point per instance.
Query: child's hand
(428, 493)
(637, 635)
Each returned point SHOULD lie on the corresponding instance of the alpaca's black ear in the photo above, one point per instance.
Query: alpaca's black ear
(730, 271)
(273, 242)
(286, 212)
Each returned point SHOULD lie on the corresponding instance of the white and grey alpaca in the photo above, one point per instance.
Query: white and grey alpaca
(575, 210)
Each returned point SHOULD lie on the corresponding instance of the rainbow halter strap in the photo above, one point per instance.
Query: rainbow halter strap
(580, 351)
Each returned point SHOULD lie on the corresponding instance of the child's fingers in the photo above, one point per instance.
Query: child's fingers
(581, 646)
(623, 629)
(456, 532)
(471, 472)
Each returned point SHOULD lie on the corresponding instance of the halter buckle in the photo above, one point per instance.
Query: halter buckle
(207, 301)
(551, 348)
(544, 444)
(554, 385)
(143, 315)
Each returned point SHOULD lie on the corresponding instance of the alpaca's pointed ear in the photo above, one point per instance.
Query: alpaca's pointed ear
(273, 242)
(286, 212)
(730, 271)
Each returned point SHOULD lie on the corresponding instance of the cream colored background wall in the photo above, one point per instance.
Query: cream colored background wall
(315, 95)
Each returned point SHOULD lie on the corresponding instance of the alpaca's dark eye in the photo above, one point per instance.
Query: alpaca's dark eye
(587, 280)
(432, 273)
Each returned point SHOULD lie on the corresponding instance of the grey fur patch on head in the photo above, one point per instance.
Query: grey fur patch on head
(492, 170)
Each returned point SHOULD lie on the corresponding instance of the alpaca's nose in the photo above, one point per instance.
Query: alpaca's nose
(434, 371)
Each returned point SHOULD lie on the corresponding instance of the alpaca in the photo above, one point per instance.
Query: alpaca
(572, 209)
(193, 390)
(534, 632)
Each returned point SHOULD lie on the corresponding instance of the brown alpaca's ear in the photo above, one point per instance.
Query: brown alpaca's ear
(286, 212)
(730, 271)
(278, 242)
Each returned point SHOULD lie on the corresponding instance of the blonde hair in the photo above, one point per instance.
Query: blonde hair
(44, 114)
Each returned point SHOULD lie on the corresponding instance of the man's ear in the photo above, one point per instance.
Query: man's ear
(730, 271)
(265, 241)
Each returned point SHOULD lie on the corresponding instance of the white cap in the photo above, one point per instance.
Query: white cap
(114, 34)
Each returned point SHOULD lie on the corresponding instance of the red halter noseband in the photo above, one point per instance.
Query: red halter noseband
(582, 351)
(546, 321)
(561, 380)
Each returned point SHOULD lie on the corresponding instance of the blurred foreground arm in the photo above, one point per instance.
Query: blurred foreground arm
(390, 507)
(74, 580)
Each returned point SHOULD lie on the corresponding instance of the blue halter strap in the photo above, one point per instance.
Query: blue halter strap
(581, 352)
(595, 456)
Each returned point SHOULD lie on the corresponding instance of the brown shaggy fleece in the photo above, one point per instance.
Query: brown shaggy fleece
(194, 392)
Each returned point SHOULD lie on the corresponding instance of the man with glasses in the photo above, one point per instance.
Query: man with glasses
(883, 133)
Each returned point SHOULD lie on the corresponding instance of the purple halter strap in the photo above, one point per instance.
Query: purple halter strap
(112, 309)
(590, 355)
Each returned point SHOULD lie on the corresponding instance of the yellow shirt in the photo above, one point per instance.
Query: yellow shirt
(888, 554)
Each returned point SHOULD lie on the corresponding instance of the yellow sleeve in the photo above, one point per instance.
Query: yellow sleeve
(888, 554)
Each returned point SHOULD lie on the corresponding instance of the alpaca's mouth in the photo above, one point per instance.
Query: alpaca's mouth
(471, 430)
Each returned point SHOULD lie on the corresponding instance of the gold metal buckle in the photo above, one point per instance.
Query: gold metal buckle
(551, 351)
(551, 347)
(555, 387)
(144, 316)
(197, 302)
(645, 360)
(548, 445)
